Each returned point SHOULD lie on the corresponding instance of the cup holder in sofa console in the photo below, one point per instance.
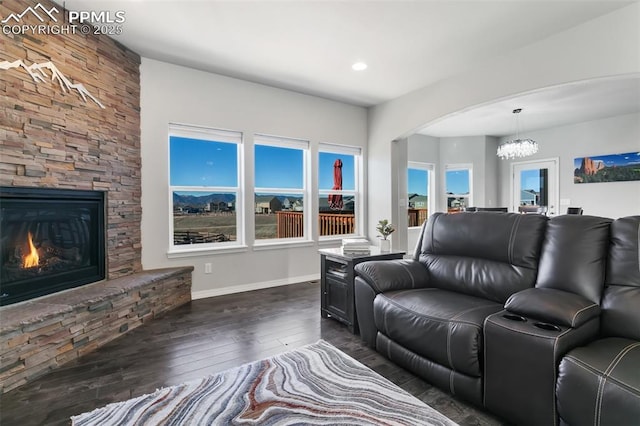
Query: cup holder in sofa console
(514, 317)
(546, 326)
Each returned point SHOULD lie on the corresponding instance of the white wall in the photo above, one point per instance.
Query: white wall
(606, 46)
(473, 150)
(171, 93)
(399, 192)
(614, 135)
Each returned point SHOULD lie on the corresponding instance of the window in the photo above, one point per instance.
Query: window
(204, 187)
(281, 188)
(458, 187)
(338, 189)
(419, 187)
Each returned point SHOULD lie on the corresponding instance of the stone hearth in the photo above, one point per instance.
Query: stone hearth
(39, 335)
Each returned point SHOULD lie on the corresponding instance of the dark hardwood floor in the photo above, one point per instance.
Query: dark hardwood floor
(204, 337)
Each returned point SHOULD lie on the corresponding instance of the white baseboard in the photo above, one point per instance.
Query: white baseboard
(203, 294)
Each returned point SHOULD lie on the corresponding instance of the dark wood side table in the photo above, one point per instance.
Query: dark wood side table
(337, 278)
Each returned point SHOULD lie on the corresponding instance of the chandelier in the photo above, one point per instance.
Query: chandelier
(517, 147)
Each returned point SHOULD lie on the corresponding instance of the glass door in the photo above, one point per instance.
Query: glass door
(421, 201)
(535, 187)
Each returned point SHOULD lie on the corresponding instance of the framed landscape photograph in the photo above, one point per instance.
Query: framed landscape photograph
(607, 168)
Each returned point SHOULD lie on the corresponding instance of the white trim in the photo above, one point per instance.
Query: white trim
(193, 251)
(253, 286)
(278, 191)
(420, 165)
(280, 142)
(303, 192)
(357, 193)
(213, 135)
(458, 167)
(555, 161)
(349, 192)
(198, 132)
(278, 243)
(339, 149)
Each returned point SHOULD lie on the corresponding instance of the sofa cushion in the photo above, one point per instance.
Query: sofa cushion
(621, 312)
(574, 255)
(621, 300)
(440, 325)
(623, 267)
(600, 383)
(483, 254)
(553, 306)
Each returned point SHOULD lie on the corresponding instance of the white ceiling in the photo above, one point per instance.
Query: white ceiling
(309, 47)
(550, 107)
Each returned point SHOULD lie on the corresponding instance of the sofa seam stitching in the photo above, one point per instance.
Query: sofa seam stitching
(555, 373)
(594, 370)
(591, 369)
(603, 380)
(413, 281)
(573, 320)
(514, 228)
(391, 301)
(449, 346)
(521, 331)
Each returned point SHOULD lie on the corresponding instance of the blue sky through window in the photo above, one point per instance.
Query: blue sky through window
(325, 170)
(278, 167)
(530, 179)
(418, 181)
(195, 162)
(457, 181)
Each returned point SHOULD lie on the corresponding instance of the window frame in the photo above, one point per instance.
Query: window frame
(210, 134)
(431, 184)
(356, 152)
(290, 143)
(453, 168)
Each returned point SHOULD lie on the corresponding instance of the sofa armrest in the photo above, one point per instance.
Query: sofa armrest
(388, 275)
(553, 306)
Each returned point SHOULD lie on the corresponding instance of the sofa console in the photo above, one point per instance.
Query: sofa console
(530, 317)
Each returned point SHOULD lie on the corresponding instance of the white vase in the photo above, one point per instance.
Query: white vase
(385, 245)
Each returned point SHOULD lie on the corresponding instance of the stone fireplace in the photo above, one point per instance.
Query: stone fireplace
(52, 240)
(55, 142)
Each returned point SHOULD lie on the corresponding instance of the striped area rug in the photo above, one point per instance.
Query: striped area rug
(313, 385)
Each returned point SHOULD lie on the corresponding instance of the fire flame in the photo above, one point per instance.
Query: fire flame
(32, 259)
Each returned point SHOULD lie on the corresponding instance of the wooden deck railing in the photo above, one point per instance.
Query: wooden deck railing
(336, 224)
(291, 224)
(416, 217)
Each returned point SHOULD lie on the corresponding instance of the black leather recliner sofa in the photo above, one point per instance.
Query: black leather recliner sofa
(599, 383)
(502, 308)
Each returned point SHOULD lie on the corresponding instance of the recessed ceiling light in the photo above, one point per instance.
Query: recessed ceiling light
(359, 66)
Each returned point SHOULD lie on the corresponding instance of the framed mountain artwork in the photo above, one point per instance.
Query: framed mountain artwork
(607, 168)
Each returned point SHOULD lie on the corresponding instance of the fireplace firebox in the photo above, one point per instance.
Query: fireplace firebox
(50, 240)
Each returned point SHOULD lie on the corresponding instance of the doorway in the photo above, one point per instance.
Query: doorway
(535, 187)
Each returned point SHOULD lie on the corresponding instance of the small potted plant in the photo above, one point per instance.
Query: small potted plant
(385, 229)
